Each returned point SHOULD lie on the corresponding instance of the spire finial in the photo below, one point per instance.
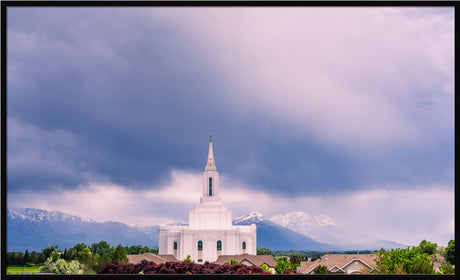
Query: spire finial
(210, 136)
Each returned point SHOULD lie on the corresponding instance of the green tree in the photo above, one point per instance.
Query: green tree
(101, 248)
(282, 265)
(399, 269)
(315, 256)
(427, 247)
(70, 254)
(85, 256)
(26, 256)
(408, 260)
(295, 261)
(188, 259)
(447, 269)
(232, 261)
(145, 249)
(120, 255)
(48, 250)
(442, 251)
(19, 258)
(105, 249)
(422, 265)
(321, 269)
(80, 246)
(34, 257)
(450, 252)
(55, 256)
(265, 268)
(94, 248)
(99, 261)
(264, 251)
(41, 258)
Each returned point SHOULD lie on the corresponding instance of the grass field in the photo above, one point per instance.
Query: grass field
(22, 269)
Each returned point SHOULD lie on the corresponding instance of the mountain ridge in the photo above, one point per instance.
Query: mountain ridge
(325, 229)
(35, 229)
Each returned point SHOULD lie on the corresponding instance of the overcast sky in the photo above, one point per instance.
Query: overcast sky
(346, 112)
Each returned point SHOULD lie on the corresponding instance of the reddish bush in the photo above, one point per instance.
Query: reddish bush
(289, 271)
(184, 267)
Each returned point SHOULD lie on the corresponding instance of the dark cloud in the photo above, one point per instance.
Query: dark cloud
(135, 97)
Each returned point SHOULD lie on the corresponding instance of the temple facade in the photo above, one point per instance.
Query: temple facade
(209, 232)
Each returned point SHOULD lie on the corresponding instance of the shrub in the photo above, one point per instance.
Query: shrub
(321, 269)
(184, 267)
(61, 267)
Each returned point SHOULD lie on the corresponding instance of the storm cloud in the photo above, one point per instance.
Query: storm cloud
(303, 101)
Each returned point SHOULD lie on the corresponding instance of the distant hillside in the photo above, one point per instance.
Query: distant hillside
(276, 237)
(34, 229)
(324, 229)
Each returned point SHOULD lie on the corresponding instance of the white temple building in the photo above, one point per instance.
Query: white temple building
(209, 232)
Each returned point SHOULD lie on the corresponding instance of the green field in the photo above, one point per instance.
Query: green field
(22, 269)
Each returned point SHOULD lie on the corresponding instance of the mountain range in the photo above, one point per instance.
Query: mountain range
(34, 229)
(325, 229)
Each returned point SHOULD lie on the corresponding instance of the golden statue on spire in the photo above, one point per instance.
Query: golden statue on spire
(210, 136)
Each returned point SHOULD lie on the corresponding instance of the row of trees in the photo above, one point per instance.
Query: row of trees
(20, 258)
(93, 259)
(80, 251)
(79, 259)
(412, 260)
(416, 259)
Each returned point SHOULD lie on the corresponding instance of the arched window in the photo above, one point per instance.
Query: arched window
(210, 186)
(200, 245)
(175, 245)
(219, 245)
(244, 245)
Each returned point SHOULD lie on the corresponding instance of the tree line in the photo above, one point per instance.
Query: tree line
(410, 260)
(84, 259)
(100, 252)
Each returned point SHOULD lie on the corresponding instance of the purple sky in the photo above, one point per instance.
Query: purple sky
(347, 112)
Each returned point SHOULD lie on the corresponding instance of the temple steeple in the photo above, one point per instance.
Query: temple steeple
(210, 232)
(210, 164)
(210, 178)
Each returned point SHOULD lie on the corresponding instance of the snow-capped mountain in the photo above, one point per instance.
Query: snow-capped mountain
(325, 229)
(35, 229)
(253, 217)
(37, 215)
(304, 219)
(276, 237)
(321, 228)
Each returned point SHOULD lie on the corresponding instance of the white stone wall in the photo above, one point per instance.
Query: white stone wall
(187, 242)
(210, 216)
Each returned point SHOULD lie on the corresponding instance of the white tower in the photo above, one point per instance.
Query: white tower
(210, 213)
(209, 232)
(210, 178)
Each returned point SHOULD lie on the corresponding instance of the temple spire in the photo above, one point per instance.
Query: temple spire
(210, 162)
